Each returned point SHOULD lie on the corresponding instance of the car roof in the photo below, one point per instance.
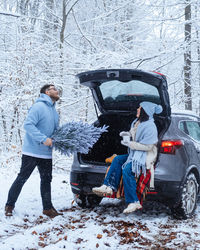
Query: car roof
(185, 113)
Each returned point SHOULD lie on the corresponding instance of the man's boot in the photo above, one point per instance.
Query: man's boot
(8, 210)
(51, 212)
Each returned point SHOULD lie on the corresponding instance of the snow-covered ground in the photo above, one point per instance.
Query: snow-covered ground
(104, 227)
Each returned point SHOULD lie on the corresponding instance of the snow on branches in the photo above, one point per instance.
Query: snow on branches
(76, 137)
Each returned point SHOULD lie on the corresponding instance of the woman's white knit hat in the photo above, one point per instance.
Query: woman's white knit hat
(151, 108)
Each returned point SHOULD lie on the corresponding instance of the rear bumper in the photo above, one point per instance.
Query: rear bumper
(165, 191)
(82, 183)
(168, 192)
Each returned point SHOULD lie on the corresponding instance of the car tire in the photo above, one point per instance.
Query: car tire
(80, 200)
(84, 201)
(186, 207)
(94, 200)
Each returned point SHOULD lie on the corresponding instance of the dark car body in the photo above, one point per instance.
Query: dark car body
(117, 94)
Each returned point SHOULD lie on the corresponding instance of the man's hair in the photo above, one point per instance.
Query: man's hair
(143, 116)
(45, 88)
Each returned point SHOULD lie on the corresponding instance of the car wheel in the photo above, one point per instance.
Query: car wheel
(84, 201)
(188, 203)
(94, 200)
(80, 200)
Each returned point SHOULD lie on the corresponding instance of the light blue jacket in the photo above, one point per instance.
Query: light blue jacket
(41, 122)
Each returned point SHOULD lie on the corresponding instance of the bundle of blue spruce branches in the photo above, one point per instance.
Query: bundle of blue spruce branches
(76, 137)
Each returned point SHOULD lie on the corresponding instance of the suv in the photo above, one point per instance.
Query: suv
(118, 93)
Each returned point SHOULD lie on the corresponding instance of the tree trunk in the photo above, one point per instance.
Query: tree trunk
(198, 49)
(62, 35)
(187, 58)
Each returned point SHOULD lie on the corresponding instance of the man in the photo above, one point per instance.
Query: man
(39, 125)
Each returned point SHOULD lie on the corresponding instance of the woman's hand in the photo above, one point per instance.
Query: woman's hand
(125, 143)
(124, 133)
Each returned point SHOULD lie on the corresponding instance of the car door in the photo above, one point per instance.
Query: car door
(122, 90)
(192, 129)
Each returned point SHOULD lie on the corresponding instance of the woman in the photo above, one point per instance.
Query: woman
(142, 152)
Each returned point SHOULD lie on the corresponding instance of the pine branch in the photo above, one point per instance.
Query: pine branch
(76, 137)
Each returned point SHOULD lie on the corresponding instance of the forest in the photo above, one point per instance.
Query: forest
(51, 41)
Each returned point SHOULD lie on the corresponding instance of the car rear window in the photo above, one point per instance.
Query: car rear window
(116, 91)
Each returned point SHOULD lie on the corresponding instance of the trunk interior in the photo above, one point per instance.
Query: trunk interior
(109, 142)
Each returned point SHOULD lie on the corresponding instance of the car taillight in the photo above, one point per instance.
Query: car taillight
(74, 184)
(169, 147)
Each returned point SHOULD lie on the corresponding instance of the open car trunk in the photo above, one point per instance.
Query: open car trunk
(110, 142)
(118, 94)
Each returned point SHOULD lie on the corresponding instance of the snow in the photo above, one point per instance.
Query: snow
(33, 54)
(103, 227)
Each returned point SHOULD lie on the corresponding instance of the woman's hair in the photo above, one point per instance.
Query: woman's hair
(143, 116)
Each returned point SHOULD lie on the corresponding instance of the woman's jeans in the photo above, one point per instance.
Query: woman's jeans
(114, 176)
(28, 165)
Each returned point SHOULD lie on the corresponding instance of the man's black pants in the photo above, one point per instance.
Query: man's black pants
(28, 165)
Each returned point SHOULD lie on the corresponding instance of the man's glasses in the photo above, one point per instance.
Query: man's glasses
(52, 88)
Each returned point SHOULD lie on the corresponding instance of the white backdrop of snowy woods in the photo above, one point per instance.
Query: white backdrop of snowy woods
(50, 41)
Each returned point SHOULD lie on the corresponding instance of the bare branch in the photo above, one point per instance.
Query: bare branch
(10, 14)
(79, 28)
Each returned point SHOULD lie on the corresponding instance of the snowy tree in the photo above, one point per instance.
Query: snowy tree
(51, 41)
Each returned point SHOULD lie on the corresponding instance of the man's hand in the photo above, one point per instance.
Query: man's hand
(48, 142)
